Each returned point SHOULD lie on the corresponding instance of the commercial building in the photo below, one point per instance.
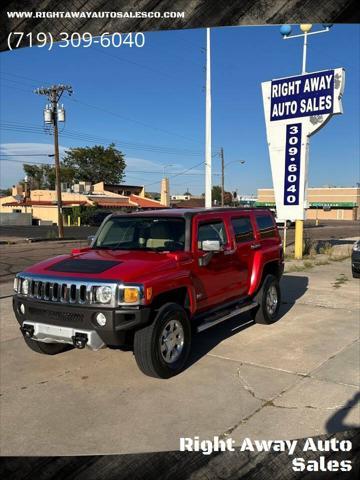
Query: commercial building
(325, 203)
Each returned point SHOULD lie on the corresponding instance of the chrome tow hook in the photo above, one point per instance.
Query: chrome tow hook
(27, 330)
(79, 340)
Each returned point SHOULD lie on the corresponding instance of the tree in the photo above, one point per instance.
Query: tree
(5, 192)
(36, 175)
(216, 195)
(66, 175)
(43, 176)
(96, 164)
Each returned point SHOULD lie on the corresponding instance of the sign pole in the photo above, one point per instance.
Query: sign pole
(299, 224)
(208, 199)
(304, 54)
(299, 236)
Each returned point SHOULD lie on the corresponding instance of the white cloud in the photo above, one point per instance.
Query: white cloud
(11, 167)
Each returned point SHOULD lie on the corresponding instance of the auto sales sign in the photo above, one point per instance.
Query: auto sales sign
(295, 108)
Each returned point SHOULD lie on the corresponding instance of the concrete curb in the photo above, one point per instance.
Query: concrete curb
(37, 240)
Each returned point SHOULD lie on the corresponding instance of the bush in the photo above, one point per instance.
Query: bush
(81, 211)
(309, 247)
(326, 248)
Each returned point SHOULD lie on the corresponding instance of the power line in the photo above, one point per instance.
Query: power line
(143, 172)
(138, 122)
(17, 127)
(178, 174)
(116, 114)
(26, 155)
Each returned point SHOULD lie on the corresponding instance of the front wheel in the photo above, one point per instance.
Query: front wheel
(162, 348)
(268, 298)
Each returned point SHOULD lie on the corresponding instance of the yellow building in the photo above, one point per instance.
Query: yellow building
(42, 204)
(325, 203)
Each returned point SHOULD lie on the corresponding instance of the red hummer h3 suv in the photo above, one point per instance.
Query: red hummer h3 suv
(153, 279)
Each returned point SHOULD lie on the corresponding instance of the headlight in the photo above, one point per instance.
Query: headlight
(25, 286)
(356, 247)
(16, 284)
(103, 294)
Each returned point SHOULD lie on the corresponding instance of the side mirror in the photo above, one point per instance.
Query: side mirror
(211, 246)
(90, 239)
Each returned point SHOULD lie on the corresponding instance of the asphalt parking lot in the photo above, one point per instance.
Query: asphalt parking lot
(296, 378)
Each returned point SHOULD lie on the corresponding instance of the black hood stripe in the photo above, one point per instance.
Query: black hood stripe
(76, 265)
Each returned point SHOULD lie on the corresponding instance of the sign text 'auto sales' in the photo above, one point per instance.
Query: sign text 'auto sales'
(302, 96)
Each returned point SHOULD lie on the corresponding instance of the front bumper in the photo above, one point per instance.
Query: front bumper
(61, 322)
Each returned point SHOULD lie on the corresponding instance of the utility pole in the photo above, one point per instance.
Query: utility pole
(51, 116)
(208, 199)
(222, 176)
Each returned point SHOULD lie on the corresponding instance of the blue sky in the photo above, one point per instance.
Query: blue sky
(154, 96)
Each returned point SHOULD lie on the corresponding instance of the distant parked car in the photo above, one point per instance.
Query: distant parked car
(280, 223)
(355, 260)
(97, 218)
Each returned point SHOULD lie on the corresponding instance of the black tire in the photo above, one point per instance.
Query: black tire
(263, 314)
(46, 348)
(355, 274)
(149, 349)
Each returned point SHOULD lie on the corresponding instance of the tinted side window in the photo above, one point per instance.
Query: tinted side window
(266, 225)
(212, 231)
(243, 229)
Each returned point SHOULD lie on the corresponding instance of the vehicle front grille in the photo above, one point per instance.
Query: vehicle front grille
(59, 291)
(62, 290)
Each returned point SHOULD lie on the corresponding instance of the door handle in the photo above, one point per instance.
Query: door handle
(255, 246)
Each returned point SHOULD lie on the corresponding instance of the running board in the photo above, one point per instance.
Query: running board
(237, 311)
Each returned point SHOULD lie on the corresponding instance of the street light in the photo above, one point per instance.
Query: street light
(223, 165)
(235, 161)
(166, 166)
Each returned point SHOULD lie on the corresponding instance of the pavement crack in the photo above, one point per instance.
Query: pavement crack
(247, 387)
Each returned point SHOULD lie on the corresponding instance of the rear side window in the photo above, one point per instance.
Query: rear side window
(266, 225)
(243, 229)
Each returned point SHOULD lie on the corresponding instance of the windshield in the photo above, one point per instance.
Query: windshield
(142, 233)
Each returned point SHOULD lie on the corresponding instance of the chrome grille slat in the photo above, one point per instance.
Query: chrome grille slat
(73, 293)
(64, 290)
(55, 292)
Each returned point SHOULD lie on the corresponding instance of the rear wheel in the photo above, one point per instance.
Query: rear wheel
(268, 298)
(355, 274)
(162, 348)
(46, 348)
